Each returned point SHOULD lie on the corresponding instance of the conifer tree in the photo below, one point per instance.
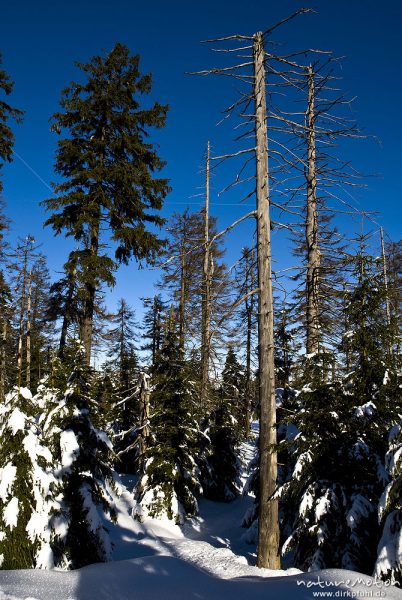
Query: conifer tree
(389, 560)
(25, 483)
(152, 326)
(108, 169)
(220, 470)
(338, 475)
(7, 113)
(170, 481)
(84, 456)
(125, 372)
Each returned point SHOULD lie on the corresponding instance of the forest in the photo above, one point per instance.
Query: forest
(304, 359)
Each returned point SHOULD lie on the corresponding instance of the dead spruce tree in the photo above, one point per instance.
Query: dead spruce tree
(268, 542)
(314, 192)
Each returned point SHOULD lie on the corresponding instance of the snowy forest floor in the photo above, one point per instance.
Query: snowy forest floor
(206, 558)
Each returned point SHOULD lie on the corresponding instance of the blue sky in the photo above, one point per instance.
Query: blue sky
(40, 42)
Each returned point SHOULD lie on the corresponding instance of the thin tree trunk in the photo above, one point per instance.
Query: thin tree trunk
(28, 332)
(249, 302)
(67, 312)
(268, 531)
(89, 302)
(313, 251)
(144, 420)
(385, 277)
(3, 360)
(206, 292)
(22, 315)
(182, 302)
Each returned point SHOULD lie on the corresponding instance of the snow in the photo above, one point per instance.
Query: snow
(7, 477)
(10, 513)
(34, 449)
(17, 421)
(69, 448)
(25, 393)
(207, 558)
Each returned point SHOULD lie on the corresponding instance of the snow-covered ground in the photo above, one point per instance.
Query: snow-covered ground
(207, 559)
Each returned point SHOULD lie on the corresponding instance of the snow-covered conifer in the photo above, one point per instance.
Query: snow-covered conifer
(26, 486)
(220, 470)
(84, 455)
(389, 558)
(170, 481)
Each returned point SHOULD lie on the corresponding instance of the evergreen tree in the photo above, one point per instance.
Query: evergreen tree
(389, 560)
(124, 398)
(108, 169)
(220, 471)
(26, 483)
(155, 309)
(84, 455)
(170, 481)
(7, 112)
(331, 498)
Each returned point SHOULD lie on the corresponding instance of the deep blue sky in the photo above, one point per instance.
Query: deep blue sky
(40, 41)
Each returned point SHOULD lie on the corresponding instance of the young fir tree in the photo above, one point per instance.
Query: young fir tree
(389, 559)
(152, 325)
(170, 481)
(27, 485)
(84, 456)
(332, 496)
(220, 471)
(108, 169)
(124, 399)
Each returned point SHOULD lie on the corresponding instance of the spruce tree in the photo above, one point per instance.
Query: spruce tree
(84, 457)
(220, 471)
(170, 481)
(108, 169)
(7, 112)
(26, 482)
(152, 325)
(389, 560)
(330, 501)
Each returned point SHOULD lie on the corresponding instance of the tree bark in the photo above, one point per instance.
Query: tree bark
(182, 302)
(28, 332)
(89, 301)
(385, 277)
(268, 532)
(249, 306)
(313, 250)
(67, 312)
(144, 420)
(206, 292)
(3, 360)
(22, 315)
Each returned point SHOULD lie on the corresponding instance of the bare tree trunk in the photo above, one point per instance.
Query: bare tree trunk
(68, 310)
(28, 332)
(22, 315)
(182, 302)
(385, 277)
(3, 360)
(206, 292)
(144, 419)
(89, 302)
(268, 532)
(249, 305)
(313, 251)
